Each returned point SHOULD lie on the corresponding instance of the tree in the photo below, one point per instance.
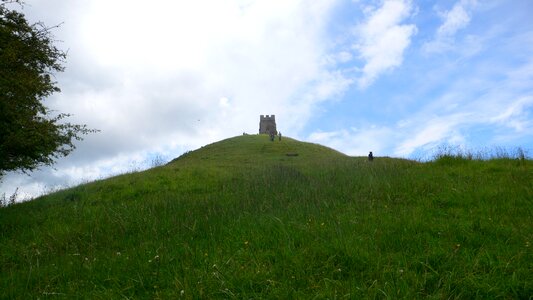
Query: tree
(31, 135)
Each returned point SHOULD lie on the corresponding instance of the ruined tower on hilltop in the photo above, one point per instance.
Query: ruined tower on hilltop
(267, 124)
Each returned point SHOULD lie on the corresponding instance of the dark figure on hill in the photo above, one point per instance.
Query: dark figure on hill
(370, 156)
(271, 137)
(280, 135)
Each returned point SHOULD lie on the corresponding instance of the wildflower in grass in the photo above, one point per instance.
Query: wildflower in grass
(119, 254)
(182, 292)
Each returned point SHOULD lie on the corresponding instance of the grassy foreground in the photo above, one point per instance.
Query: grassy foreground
(241, 219)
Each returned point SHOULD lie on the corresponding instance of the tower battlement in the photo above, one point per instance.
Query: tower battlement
(267, 117)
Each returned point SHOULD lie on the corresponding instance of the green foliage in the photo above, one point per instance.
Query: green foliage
(241, 219)
(30, 135)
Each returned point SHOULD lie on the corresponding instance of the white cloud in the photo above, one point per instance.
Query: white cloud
(356, 141)
(454, 20)
(344, 56)
(513, 114)
(223, 102)
(503, 108)
(430, 132)
(478, 103)
(382, 39)
(401, 140)
(176, 75)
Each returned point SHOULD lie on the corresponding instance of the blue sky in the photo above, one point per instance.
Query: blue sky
(464, 79)
(396, 77)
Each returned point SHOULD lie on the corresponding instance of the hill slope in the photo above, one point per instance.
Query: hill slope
(241, 219)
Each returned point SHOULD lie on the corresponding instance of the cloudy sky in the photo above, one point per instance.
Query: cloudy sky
(395, 77)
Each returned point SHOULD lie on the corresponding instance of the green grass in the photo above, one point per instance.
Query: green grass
(241, 219)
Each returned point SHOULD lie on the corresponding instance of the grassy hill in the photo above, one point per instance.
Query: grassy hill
(242, 219)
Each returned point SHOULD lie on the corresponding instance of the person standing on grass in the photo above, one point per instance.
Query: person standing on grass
(280, 135)
(370, 156)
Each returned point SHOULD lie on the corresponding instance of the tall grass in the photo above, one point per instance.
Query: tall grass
(240, 219)
(449, 152)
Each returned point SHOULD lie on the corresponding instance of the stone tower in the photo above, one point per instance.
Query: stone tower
(267, 124)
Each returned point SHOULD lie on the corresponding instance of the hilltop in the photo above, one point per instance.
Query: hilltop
(250, 218)
(258, 150)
